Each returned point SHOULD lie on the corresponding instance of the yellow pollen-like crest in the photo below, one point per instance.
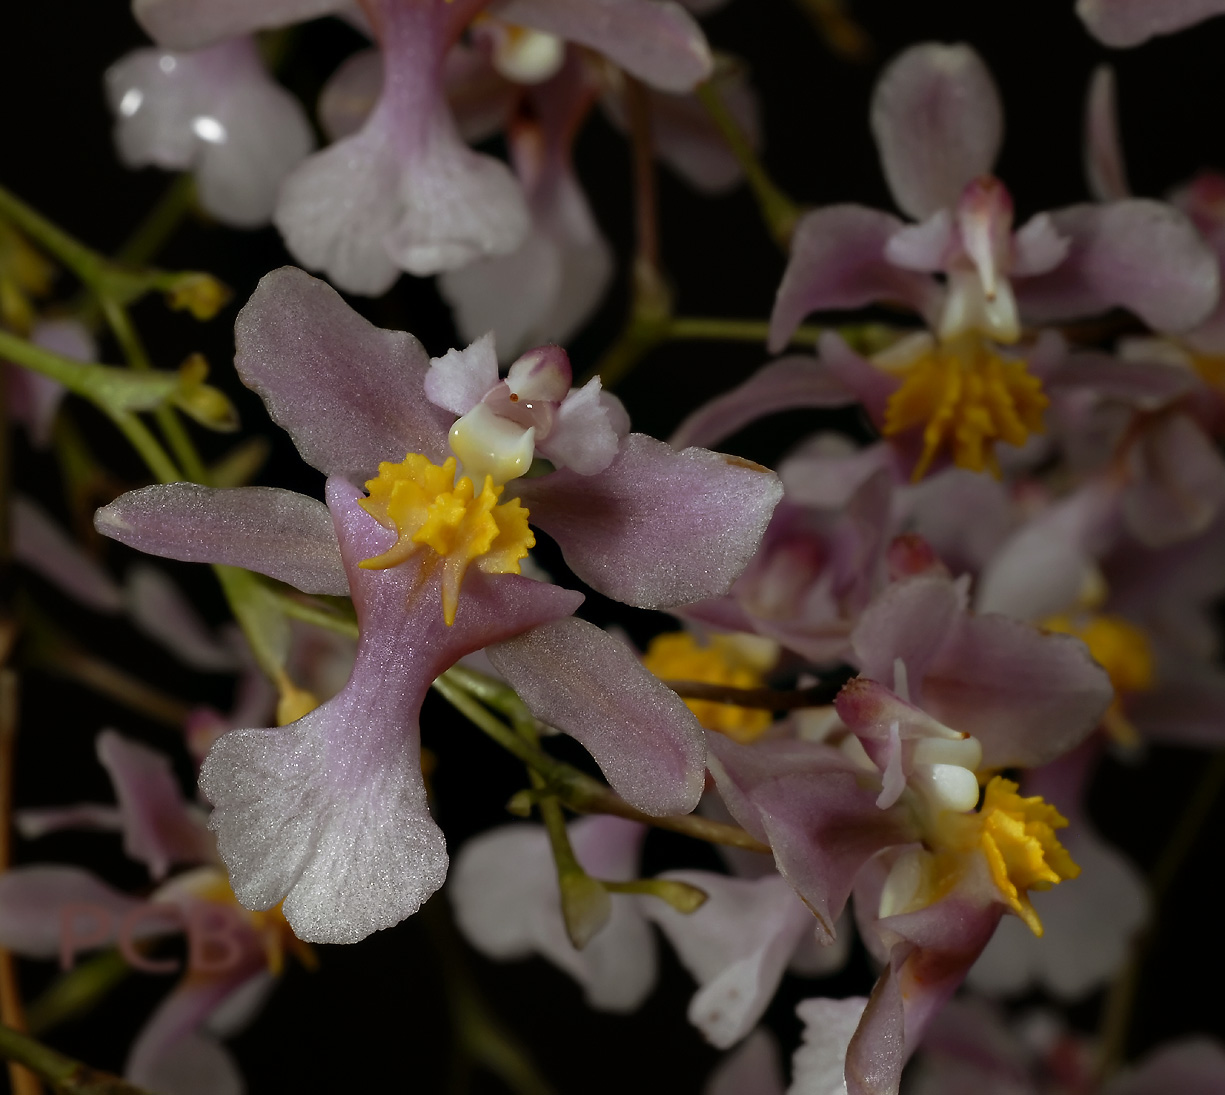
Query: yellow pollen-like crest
(1022, 851)
(677, 656)
(431, 512)
(965, 396)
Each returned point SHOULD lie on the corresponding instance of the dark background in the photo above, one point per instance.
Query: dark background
(373, 1018)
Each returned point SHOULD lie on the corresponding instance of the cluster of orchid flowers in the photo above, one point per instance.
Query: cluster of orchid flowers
(892, 669)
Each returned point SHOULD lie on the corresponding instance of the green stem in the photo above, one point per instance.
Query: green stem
(578, 791)
(86, 263)
(779, 212)
(67, 1076)
(317, 615)
(168, 421)
(694, 328)
(74, 993)
(480, 1038)
(151, 452)
(162, 221)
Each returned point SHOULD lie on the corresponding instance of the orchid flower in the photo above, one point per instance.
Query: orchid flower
(329, 813)
(177, 1051)
(1122, 23)
(955, 390)
(215, 112)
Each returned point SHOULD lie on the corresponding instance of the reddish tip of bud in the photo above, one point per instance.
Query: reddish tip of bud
(910, 554)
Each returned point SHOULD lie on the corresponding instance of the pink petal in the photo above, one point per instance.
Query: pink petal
(460, 379)
(160, 609)
(1137, 254)
(350, 394)
(583, 681)
(815, 809)
(1178, 482)
(272, 531)
(910, 620)
(45, 548)
(938, 123)
(349, 96)
(934, 949)
(1104, 164)
(658, 42)
(737, 946)
(1027, 695)
(188, 24)
(330, 812)
(787, 384)
(160, 828)
(584, 436)
(657, 527)
(838, 262)
(216, 112)
(752, 1068)
(870, 385)
(174, 1054)
(1121, 23)
(503, 888)
(41, 906)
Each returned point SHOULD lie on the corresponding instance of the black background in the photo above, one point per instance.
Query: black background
(373, 1017)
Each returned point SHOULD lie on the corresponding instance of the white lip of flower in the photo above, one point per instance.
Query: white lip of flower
(973, 306)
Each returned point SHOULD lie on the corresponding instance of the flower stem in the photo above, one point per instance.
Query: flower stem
(575, 789)
(779, 212)
(67, 1076)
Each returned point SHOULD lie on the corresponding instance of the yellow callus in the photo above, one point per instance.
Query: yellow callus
(1023, 853)
(456, 527)
(966, 397)
(677, 656)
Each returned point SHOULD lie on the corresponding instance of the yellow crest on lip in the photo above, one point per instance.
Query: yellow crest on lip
(1023, 853)
(429, 510)
(966, 397)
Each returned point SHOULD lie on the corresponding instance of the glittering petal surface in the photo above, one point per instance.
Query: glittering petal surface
(1136, 254)
(938, 123)
(330, 812)
(503, 887)
(41, 545)
(584, 681)
(277, 532)
(460, 379)
(37, 902)
(190, 24)
(217, 113)
(659, 42)
(933, 950)
(1129, 22)
(814, 808)
(838, 262)
(348, 393)
(657, 527)
(159, 827)
(736, 945)
(819, 1065)
(787, 384)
